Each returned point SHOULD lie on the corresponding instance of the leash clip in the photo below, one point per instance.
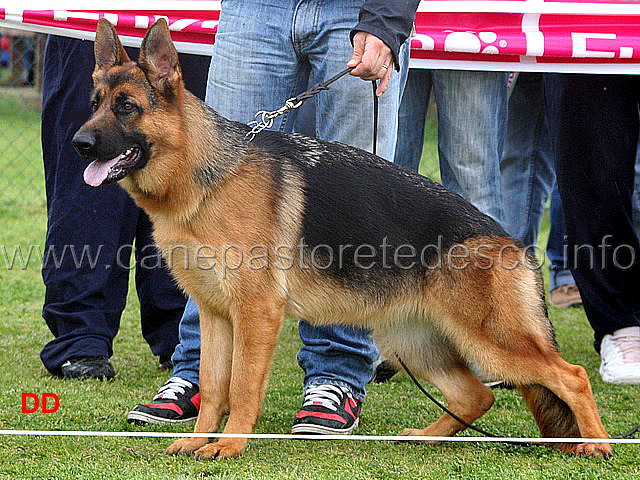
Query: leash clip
(264, 119)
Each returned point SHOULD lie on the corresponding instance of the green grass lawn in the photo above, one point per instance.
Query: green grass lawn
(102, 406)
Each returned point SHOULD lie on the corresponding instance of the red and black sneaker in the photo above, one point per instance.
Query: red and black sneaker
(177, 401)
(327, 410)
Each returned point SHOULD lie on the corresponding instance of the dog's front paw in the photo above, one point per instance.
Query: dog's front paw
(225, 448)
(186, 446)
(597, 450)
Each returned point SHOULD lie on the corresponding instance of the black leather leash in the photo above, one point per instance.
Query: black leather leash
(442, 407)
(264, 119)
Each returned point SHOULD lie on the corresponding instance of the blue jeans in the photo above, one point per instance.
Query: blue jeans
(559, 271)
(186, 357)
(527, 161)
(528, 175)
(472, 121)
(257, 66)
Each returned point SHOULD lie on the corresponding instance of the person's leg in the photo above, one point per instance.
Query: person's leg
(527, 163)
(338, 355)
(85, 282)
(237, 90)
(240, 82)
(594, 121)
(636, 195)
(563, 292)
(345, 111)
(178, 399)
(409, 144)
(186, 357)
(412, 118)
(472, 122)
(195, 73)
(161, 301)
(556, 245)
(253, 67)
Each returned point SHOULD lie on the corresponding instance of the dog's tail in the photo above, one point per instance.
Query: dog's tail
(553, 416)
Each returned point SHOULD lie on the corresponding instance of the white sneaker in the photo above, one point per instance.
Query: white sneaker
(620, 353)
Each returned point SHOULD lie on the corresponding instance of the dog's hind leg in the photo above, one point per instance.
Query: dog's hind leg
(553, 416)
(466, 396)
(509, 336)
(558, 393)
(216, 335)
(563, 406)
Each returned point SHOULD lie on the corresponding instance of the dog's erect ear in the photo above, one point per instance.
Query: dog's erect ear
(108, 49)
(159, 58)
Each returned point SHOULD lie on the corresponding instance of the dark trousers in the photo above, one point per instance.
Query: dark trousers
(91, 231)
(594, 123)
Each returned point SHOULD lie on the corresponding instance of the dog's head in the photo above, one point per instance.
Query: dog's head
(120, 135)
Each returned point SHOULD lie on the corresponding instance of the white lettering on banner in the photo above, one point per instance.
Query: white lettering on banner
(489, 38)
(181, 24)
(471, 42)
(112, 17)
(209, 24)
(426, 42)
(626, 52)
(534, 38)
(462, 42)
(579, 45)
(141, 21)
(158, 17)
(64, 15)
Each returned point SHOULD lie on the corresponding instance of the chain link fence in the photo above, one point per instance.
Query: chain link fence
(21, 182)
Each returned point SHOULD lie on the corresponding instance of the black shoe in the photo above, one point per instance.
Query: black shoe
(165, 363)
(384, 371)
(82, 368)
(327, 410)
(177, 401)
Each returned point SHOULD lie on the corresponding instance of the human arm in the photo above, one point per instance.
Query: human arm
(382, 28)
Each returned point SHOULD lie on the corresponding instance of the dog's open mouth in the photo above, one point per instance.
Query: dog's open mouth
(100, 172)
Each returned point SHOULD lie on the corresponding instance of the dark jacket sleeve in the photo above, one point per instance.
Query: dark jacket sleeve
(389, 20)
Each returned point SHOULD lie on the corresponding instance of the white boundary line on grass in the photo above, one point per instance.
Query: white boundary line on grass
(272, 436)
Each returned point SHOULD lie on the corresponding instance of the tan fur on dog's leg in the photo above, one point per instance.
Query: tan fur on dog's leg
(570, 384)
(255, 333)
(514, 341)
(466, 396)
(215, 373)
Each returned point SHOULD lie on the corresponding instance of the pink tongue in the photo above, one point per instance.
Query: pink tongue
(97, 172)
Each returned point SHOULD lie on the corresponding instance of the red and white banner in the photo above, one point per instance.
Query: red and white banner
(599, 36)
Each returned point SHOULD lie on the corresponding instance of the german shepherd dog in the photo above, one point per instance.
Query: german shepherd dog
(256, 229)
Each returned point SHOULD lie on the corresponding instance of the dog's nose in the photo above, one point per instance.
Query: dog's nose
(84, 143)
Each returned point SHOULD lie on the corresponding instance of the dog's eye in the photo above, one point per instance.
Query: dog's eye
(128, 106)
(94, 104)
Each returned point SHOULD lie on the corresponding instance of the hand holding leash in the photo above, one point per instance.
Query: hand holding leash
(372, 60)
